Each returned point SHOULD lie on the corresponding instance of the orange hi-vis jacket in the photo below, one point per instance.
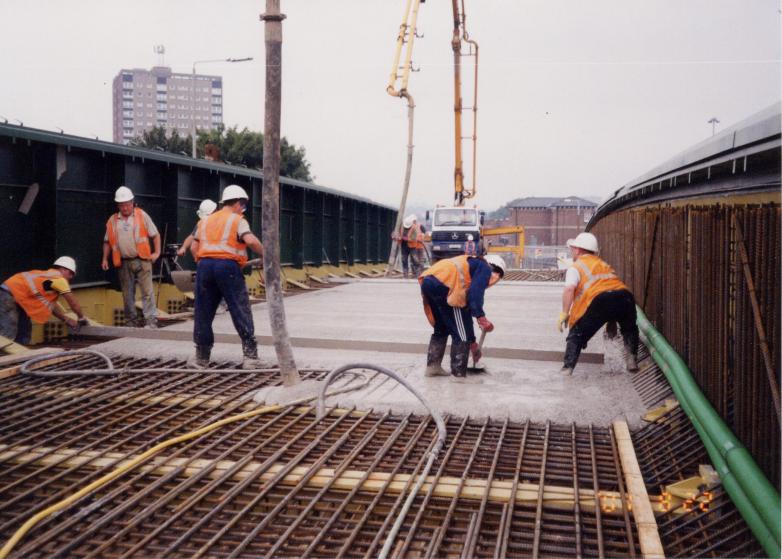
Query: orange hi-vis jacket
(28, 291)
(415, 237)
(596, 277)
(218, 237)
(454, 273)
(139, 234)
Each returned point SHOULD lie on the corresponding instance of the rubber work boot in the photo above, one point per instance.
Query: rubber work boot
(201, 359)
(631, 361)
(250, 352)
(434, 357)
(460, 353)
(572, 353)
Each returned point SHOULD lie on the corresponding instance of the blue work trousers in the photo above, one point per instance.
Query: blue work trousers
(221, 279)
(448, 320)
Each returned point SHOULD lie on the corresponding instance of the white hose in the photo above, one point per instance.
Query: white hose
(441, 434)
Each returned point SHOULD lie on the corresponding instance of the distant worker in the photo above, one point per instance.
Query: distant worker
(31, 296)
(469, 246)
(452, 291)
(206, 208)
(415, 245)
(404, 248)
(221, 244)
(594, 295)
(128, 234)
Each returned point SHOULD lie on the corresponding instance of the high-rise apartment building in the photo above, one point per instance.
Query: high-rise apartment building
(144, 99)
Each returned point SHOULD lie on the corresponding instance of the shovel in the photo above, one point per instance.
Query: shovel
(478, 368)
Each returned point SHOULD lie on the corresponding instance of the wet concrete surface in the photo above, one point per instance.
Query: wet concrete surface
(378, 311)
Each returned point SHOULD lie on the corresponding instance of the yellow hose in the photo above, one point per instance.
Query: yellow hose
(20, 533)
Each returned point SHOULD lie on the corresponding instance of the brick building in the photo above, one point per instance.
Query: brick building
(550, 221)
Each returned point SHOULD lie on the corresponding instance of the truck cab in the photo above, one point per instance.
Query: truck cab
(450, 229)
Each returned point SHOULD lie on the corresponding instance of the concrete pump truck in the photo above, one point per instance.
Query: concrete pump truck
(457, 228)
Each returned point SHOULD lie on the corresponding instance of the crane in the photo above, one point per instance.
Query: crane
(463, 47)
(453, 226)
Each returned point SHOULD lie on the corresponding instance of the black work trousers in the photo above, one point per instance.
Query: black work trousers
(404, 252)
(609, 306)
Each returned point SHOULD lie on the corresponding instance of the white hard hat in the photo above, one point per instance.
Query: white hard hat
(586, 241)
(123, 194)
(234, 192)
(206, 208)
(496, 260)
(66, 262)
(409, 220)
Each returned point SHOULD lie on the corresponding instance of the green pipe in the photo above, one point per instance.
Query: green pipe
(729, 481)
(723, 446)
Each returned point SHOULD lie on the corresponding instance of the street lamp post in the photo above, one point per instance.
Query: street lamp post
(193, 96)
(714, 122)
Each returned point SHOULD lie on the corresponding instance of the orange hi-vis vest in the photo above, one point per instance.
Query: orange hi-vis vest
(596, 277)
(415, 236)
(139, 234)
(218, 237)
(27, 289)
(454, 273)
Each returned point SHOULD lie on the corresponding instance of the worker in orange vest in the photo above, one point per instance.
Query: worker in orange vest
(415, 244)
(32, 296)
(221, 244)
(401, 237)
(594, 295)
(128, 234)
(452, 291)
(206, 208)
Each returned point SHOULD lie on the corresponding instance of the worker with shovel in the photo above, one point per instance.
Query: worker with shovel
(452, 292)
(594, 295)
(221, 244)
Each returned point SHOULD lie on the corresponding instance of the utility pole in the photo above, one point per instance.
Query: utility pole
(714, 122)
(271, 193)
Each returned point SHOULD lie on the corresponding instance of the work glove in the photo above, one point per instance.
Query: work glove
(476, 352)
(83, 321)
(485, 325)
(562, 322)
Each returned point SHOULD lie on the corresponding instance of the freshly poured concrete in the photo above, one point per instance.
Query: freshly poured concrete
(371, 313)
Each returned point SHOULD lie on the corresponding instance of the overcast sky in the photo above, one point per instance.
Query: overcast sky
(575, 98)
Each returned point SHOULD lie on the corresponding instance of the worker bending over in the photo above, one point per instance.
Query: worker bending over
(221, 244)
(32, 296)
(206, 208)
(452, 292)
(594, 295)
(128, 234)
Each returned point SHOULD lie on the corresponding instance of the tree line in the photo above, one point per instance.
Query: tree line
(237, 147)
